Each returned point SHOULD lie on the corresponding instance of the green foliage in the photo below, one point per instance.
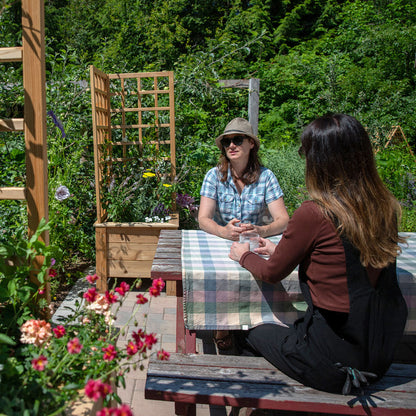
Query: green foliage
(289, 169)
(397, 167)
(19, 295)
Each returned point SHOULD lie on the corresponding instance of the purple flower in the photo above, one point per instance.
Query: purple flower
(57, 122)
(62, 193)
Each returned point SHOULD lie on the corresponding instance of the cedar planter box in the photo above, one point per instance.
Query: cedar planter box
(126, 250)
(133, 117)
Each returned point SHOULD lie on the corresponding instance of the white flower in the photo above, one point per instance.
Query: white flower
(62, 193)
(148, 219)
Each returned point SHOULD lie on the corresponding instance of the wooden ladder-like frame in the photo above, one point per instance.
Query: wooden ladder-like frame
(32, 56)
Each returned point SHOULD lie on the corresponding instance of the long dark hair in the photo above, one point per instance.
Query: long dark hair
(252, 172)
(341, 176)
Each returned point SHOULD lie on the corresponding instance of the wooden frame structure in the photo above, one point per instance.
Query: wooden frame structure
(32, 56)
(129, 110)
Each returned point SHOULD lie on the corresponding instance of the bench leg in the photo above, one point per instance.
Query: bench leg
(185, 409)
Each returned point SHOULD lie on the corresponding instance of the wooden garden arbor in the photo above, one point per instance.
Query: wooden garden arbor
(32, 56)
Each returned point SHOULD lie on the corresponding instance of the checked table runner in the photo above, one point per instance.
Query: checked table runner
(220, 294)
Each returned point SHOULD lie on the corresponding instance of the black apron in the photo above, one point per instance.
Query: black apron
(323, 359)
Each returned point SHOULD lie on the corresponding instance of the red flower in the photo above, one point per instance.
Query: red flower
(131, 348)
(156, 288)
(92, 278)
(141, 300)
(123, 410)
(150, 340)
(163, 355)
(74, 346)
(39, 363)
(52, 273)
(111, 297)
(59, 331)
(138, 335)
(91, 294)
(123, 288)
(110, 353)
(95, 389)
(158, 283)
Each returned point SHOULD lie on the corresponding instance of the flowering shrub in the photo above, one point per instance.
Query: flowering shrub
(143, 196)
(45, 365)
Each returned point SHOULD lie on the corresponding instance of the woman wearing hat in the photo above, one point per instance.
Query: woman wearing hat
(239, 194)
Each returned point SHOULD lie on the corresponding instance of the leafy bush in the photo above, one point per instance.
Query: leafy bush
(43, 365)
(289, 169)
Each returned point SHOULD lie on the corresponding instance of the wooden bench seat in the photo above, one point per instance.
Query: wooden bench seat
(188, 379)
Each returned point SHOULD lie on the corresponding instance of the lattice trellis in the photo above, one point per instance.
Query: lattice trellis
(133, 120)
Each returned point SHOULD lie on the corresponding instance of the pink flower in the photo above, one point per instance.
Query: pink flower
(157, 287)
(95, 389)
(150, 340)
(37, 332)
(110, 353)
(74, 346)
(141, 300)
(91, 294)
(123, 288)
(52, 273)
(110, 297)
(123, 410)
(59, 331)
(158, 283)
(163, 355)
(41, 291)
(39, 363)
(92, 278)
(131, 348)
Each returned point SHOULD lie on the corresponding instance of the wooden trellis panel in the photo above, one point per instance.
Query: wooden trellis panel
(130, 111)
(127, 109)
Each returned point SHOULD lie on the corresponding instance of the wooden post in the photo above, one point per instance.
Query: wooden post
(34, 81)
(253, 85)
(253, 104)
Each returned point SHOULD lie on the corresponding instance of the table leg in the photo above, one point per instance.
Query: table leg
(185, 340)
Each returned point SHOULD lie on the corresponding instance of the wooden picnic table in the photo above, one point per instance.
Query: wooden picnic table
(167, 264)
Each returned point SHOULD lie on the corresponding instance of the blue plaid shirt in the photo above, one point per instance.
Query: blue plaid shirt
(250, 206)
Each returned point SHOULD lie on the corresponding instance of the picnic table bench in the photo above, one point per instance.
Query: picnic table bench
(190, 379)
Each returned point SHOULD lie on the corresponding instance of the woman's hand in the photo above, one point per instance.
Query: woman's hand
(237, 250)
(266, 247)
(232, 231)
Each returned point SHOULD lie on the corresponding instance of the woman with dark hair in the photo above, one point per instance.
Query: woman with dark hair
(239, 193)
(345, 241)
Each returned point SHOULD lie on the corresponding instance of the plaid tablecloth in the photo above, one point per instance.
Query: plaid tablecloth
(220, 294)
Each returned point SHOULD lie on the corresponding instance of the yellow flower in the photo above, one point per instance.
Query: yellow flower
(148, 175)
(167, 185)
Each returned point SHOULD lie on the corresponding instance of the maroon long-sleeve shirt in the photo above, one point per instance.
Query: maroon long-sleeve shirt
(310, 239)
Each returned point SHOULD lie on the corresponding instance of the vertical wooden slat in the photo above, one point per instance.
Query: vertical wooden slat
(34, 83)
(172, 124)
(101, 258)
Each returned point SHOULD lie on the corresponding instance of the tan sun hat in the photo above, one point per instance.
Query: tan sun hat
(238, 126)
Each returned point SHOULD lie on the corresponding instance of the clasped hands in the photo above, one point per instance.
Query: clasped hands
(234, 228)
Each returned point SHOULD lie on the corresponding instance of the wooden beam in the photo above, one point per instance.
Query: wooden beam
(34, 83)
(13, 193)
(253, 103)
(11, 124)
(12, 54)
(234, 83)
